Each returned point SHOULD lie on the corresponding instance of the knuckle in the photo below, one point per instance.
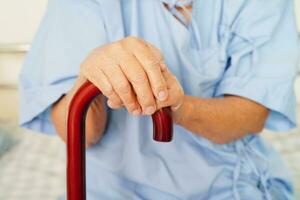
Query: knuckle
(100, 57)
(95, 51)
(87, 64)
(131, 39)
(178, 89)
(140, 79)
(130, 104)
(98, 52)
(111, 49)
(92, 77)
(159, 87)
(124, 88)
(112, 104)
(146, 101)
(173, 79)
(151, 62)
(83, 69)
(115, 99)
(108, 91)
(160, 57)
(116, 103)
(157, 52)
(115, 46)
(117, 53)
(100, 48)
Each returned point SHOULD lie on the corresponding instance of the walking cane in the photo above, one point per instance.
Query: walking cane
(76, 187)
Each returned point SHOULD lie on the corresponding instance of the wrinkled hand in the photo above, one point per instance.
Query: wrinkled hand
(132, 73)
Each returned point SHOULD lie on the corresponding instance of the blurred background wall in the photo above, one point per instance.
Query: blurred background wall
(18, 23)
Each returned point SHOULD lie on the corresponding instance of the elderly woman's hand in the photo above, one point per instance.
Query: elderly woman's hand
(175, 93)
(131, 73)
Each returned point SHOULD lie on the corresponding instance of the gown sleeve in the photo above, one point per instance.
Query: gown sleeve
(68, 31)
(261, 44)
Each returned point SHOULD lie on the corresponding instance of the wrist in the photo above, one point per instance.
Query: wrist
(180, 114)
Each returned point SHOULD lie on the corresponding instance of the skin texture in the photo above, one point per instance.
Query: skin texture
(221, 120)
(131, 73)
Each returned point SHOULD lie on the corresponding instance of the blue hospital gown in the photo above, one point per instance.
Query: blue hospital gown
(243, 48)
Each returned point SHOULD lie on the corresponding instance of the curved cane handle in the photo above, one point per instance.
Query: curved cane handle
(76, 187)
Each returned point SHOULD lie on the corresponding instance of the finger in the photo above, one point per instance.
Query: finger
(175, 90)
(114, 105)
(139, 81)
(156, 52)
(151, 65)
(123, 88)
(112, 96)
(99, 79)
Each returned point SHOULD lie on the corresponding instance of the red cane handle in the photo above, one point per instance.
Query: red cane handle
(76, 187)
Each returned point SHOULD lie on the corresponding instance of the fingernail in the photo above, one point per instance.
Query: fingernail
(136, 112)
(109, 103)
(150, 110)
(162, 95)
